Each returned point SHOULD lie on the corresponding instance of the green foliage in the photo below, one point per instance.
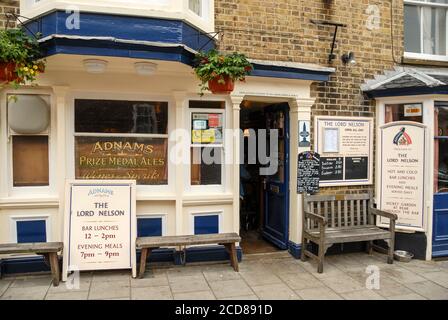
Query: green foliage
(22, 50)
(212, 65)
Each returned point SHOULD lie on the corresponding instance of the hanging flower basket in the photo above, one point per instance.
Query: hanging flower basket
(218, 73)
(221, 85)
(20, 57)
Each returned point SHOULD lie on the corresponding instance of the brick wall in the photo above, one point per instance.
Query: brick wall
(282, 31)
(8, 6)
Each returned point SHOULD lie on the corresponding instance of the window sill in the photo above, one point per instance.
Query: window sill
(421, 59)
(28, 203)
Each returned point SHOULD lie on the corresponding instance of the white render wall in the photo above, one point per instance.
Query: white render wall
(176, 202)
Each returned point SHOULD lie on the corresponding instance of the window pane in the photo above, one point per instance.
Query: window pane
(207, 128)
(195, 6)
(30, 161)
(141, 159)
(404, 112)
(434, 31)
(206, 166)
(441, 165)
(412, 33)
(111, 116)
(442, 115)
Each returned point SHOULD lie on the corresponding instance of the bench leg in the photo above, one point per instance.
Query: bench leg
(231, 249)
(390, 256)
(369, 248)
(321, 255)
(304, 246)
(54, 264)
(143, 258)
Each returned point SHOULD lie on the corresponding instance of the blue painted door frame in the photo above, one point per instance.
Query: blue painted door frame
(440, 226)
(276, 194)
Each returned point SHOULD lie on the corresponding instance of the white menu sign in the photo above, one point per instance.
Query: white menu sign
(100, 226)
(402, 173)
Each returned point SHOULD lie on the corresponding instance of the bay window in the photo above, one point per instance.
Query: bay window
(119, 140)
(425, 29)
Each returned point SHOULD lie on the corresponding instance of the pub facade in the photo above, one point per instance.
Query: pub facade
(119, 100)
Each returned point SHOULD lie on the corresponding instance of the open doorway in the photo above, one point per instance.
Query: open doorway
(264, 198)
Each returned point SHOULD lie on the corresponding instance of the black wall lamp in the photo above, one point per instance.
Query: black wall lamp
(348, 58)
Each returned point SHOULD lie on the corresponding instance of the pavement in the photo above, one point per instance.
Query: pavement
(278, 275)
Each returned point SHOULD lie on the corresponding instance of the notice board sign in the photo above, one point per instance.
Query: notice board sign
(402, 173)
(100, 226)
(346, 149)
(308, 172)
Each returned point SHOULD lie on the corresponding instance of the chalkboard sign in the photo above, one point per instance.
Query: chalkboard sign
(332, 169)
(308, 172)
(356, 168)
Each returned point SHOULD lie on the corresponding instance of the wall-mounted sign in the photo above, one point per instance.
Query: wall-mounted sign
(119, 158)
(100, 226)
(308, 172)
(304, 134)
(402, 173)
(413, 110)
(345, 146)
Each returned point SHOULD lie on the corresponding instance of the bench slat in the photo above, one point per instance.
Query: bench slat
(173, 241)
(353, 234)
(38, 247)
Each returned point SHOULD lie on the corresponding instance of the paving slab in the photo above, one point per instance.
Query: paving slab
(25, 293)
(242, 298)
(150, 281)
(342, 284)
(439, 277)
(198, 295)
(31, 281)
(75, 295)
(323, 293)
(109, 289)
(220, 274)
(298, 281)
(4, 285)
(188, 284)
(410, 296)
(365, 294)
(152, 293)
(403, 276)
(230, 288)
(429, 290)
(260, 278)
(278, 291)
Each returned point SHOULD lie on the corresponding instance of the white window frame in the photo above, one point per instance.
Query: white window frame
(421, 55)
(143, 191)
(18, 218)
(162, 216)
(195, 213)
(6, 157)
(223, 146)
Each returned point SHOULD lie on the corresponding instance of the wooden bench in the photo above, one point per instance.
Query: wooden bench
(330, 219)
(147, 244)
(48, 249)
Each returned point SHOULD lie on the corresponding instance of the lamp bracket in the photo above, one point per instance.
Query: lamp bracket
(336, 26)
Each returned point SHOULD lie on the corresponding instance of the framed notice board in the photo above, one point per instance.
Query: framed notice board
(345, 145)
(100, 226)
